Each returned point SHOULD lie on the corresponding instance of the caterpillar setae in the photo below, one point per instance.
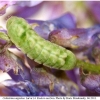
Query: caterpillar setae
(41, 50)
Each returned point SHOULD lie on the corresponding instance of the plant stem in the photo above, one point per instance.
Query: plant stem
(88, 66)
(4, 36)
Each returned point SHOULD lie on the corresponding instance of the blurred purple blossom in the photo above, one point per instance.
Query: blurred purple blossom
(29, 3)
(4, 91)
(23, 74)
(75, 38)
(66, 88)
(91, 82)
(93, 53)
(22, 88)
(4, 5)
(27, 88)
(7, 62)
(93, 7)
(56, 81)
(45, 27)
(41, 76)
(64, 83)
(26, 11)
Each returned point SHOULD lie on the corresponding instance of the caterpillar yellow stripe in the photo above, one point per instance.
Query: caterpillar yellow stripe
(42, 51)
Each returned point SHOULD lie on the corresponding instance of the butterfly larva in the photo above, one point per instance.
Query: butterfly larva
(37, 48)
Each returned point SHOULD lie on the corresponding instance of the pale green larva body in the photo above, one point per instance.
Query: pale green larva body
(37, 48)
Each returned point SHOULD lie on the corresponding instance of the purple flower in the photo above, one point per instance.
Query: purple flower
(90, 81)
(93, 7)
(45, 27)
(4, 5)
(75, 38)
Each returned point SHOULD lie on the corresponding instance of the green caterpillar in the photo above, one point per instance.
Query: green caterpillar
(42, 51)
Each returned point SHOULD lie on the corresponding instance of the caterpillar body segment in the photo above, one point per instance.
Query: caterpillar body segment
(37, 48)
